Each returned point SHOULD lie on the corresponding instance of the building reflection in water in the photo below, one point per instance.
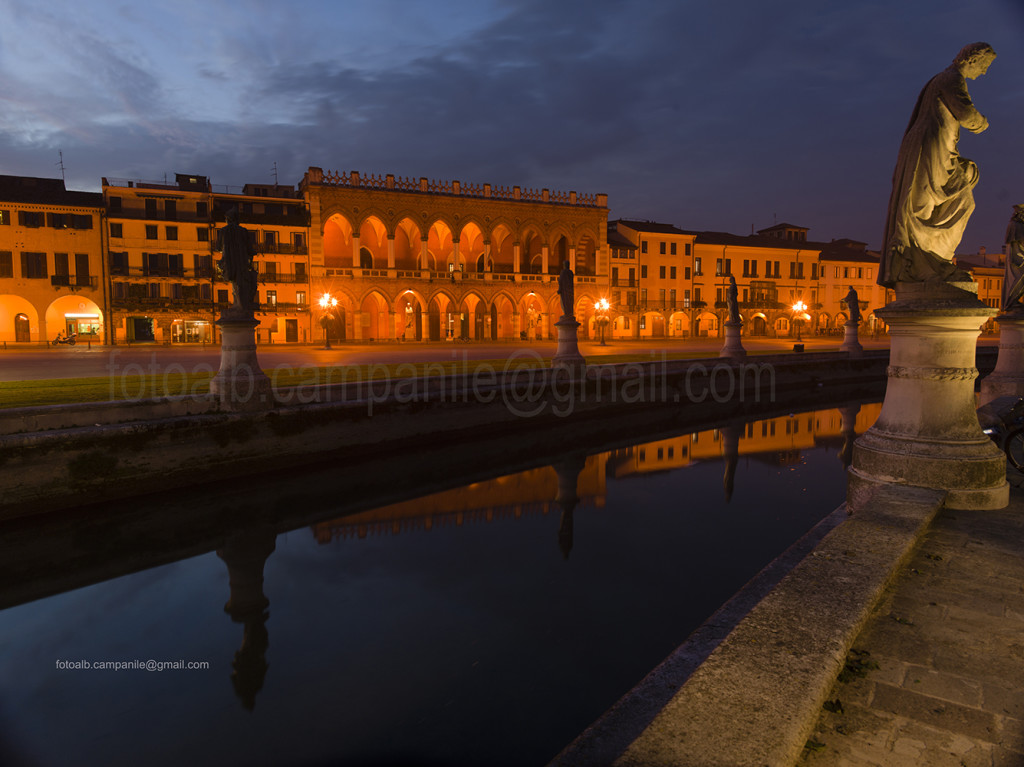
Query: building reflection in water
(245, 552)
(575, 482)
(777, 440)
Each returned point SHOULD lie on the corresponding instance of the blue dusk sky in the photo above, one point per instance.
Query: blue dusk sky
(726, 115)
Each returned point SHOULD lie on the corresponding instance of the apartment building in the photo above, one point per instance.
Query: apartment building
(988, 270)
(672, 282)
(162, 239)
(51, 262)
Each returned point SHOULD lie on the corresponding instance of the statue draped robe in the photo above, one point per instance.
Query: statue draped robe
(932, 191)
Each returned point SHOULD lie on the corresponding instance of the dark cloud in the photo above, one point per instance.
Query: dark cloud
(713, 115)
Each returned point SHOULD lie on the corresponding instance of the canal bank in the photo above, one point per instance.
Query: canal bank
(55, 456)
(893, 638)
(891, 535)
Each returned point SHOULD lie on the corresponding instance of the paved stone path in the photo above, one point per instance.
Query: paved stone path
(937, 676)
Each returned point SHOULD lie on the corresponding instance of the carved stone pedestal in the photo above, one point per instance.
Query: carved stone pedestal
(851, 343)
(1007, 380)
(240, 383)
(733, 348)
(927, 434)
(567, 355)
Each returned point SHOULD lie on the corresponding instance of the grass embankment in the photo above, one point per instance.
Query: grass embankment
(177, 381)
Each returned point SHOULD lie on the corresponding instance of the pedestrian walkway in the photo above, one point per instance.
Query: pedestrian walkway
(937, 676)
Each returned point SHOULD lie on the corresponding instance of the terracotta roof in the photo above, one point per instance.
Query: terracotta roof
(651, 227)
(617, 240)
(839, 251)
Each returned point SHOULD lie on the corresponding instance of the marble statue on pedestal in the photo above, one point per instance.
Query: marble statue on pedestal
(1013, 277)
(731, 300)
(932, 190)
(566, 291)
(853, 305)
(235, 242)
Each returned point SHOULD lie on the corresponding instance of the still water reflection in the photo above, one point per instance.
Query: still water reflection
(487, 624)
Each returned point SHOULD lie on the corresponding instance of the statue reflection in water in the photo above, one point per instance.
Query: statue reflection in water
(568, 472)
(849, 430)
(731, 454)
(245, 552)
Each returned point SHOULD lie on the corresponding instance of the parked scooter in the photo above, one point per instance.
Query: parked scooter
(1003, 421)
(68, 339)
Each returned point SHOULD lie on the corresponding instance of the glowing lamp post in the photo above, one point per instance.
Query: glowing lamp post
(798, 309)
(327, 304)
(602, 307)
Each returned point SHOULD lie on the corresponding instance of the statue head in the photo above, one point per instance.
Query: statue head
(231, 215)
(566, 264)
(974, 59)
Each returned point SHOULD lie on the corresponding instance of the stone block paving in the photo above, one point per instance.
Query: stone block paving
(936, 677)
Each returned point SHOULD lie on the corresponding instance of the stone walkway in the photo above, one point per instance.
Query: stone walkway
(936, 677)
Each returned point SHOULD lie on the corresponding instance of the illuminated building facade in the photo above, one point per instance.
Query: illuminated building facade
(402, 259)
(667, 282)
(164, 285)
(51, 261)
(989, 271)
(419, 260)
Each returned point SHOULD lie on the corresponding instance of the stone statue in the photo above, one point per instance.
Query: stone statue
(236, 245)
(932, 196)
(853, 305)
(1013, 277)
(566, 290)
(732, 301)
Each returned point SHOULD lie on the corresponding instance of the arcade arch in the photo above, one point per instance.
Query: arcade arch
(407, 245)
(503, 318)
(532, 251)
(373, 318)
(440, 247)
(707, 325)
(337, 242)
(409, 313)
(471, 247)
(75, 314)
(652, 325)
(679, 324)
(532, 318)
(502, 249)
(759, 325)
(18, 320)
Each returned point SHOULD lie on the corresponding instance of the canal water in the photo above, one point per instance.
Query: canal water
(487, 624)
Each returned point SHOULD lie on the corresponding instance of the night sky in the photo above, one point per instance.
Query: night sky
(722, 115)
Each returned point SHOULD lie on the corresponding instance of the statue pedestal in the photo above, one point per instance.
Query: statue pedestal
(927, 434)
(733, 348)
(1007, 380)
(240, 384)
(567, 355)
(851, 343)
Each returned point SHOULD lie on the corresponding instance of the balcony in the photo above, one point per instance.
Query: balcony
(202, 273)
(278, 277)
(74, 282)
(282, 248)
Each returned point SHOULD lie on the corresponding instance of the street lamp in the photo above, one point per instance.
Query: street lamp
(602, 307)
(327, 303)
(798, 308)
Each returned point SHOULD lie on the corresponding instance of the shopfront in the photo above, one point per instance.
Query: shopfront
(85, 326)
(191, 332)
